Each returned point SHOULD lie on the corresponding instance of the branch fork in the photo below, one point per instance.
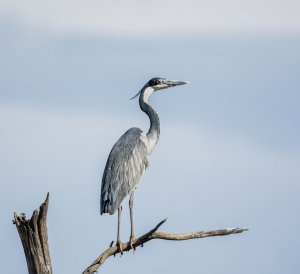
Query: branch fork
(155, 234)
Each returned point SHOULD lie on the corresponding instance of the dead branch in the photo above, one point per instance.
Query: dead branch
(154, 234)
(34, 238)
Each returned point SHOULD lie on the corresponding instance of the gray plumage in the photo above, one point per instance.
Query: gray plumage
(125, 166)
(128, 158)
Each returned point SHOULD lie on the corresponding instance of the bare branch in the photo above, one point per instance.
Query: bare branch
(154, 234)
(198, 234)
(34, 238)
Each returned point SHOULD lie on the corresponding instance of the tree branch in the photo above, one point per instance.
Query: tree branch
(154, 234)
(34, 237)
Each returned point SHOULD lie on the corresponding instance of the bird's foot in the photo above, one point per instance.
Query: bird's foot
(119, 244)
(131, 242)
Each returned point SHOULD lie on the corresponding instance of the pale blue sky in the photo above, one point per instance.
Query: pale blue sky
(229, 150)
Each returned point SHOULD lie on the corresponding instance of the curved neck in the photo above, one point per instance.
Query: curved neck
(154, 130)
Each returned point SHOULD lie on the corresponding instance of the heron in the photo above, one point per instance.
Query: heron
(128, 158)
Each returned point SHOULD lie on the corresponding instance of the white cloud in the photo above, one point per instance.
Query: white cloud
(137, 17)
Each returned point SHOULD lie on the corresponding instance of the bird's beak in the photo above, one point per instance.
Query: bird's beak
(173, 83)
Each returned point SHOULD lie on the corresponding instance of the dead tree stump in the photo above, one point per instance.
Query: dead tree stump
(34, 238)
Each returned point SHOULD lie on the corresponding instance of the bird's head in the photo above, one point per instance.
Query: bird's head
(156, 84)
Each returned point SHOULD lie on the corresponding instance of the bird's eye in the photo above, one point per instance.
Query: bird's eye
(158, 82)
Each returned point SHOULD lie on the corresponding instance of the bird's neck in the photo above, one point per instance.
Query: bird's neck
(154, 130)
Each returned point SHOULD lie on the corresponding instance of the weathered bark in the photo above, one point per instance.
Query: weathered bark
(34, 238)
(154, 234)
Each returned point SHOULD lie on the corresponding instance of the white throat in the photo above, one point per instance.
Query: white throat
(148, 91)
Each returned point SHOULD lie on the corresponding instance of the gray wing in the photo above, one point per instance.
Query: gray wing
(125, 166)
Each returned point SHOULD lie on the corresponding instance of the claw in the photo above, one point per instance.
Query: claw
(131, 242)
(119, 244)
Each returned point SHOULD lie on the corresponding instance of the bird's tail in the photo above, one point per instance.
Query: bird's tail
(104, 206)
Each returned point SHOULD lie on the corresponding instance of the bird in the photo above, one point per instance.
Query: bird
(128, 159)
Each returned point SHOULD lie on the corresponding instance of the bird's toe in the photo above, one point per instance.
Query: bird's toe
(131, 243)
(119, 244)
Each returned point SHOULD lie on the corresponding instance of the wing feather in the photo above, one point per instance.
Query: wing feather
(125, 166)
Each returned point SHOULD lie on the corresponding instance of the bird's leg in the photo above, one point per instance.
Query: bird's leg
(119, 243)
(131, 220)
